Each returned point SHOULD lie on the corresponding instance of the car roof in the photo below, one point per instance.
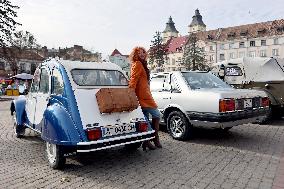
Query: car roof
(70, 65)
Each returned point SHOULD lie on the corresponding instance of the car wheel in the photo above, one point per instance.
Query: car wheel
(133, 146)
(55, 155)
(19, 129)
(179, 126)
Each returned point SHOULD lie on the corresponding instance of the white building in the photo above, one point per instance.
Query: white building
(264, 39)
(121, 60)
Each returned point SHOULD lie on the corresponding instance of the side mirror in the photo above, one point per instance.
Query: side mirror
(267, 86)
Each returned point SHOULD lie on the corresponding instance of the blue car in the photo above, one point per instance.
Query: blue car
(62, 106)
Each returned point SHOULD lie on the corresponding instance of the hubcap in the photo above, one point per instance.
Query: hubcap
(177, 126)
(51, 152)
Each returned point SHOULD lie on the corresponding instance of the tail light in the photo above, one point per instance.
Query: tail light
(227, 105)
(94, 134)
(142, 126)
(265, 102)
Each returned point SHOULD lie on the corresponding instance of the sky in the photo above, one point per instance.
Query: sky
(103, 25)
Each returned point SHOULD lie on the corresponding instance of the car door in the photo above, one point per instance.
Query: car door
(31, 98)
(160, 90)
(42, 97)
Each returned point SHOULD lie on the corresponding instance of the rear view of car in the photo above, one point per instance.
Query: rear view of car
(200, 99)
(79, 107)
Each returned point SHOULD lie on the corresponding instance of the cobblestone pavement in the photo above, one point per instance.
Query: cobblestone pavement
(246, 157)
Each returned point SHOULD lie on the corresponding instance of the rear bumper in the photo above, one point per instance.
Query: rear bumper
(114, 142)
(230, 119)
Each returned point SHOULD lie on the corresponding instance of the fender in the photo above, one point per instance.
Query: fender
(58, 127)
(18, 105)
(174, 106)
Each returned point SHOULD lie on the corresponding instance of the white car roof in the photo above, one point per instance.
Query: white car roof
(70, 65)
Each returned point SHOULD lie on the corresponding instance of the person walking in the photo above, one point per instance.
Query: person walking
(139, 81)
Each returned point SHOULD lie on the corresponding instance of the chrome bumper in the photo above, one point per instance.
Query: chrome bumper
(114, 142)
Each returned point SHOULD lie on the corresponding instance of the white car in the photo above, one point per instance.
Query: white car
(67, 107)
(195, 98)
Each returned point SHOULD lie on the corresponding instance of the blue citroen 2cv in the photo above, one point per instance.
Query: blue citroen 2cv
(62, 106)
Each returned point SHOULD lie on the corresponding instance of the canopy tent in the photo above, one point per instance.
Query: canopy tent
(23, 76)
(255, 69)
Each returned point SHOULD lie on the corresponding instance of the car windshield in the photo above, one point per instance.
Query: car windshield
(97, 77)
(203, 80)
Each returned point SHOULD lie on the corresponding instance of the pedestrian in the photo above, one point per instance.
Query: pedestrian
(139, 81)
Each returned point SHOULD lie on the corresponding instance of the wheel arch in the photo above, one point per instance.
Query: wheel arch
(18, 106)
(172, 108)
(58, 127)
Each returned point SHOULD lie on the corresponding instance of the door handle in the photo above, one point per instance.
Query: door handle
(165, 98)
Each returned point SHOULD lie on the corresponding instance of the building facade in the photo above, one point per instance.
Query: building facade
(121, 60)
(264, 39)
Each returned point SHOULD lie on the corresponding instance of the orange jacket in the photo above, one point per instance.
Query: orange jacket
(139, 82)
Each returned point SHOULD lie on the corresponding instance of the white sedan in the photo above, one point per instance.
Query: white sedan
(195, 98)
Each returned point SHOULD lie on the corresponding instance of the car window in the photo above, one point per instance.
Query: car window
(203, 80)
(58, 85)
(44, 81)
(156, 84)
(35, 83)
(175, 88)
(96, 77)
(167, 84)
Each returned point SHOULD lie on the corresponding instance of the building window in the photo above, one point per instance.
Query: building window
(263, 42)
(2, 66)
(251, 53)
(275, 52)
(262, 53)
(211, 48)
(173, 61)
(222, 46)
(241, 54)
(242, 44)
(231, 45)
(252, 43)
(232, 55)
(222, 57)
(275, 41)
(22, 67)
(211, 58)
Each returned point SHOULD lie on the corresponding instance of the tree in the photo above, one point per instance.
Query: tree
(194, 56)
(158, 50)
(7, 22)
(21, 41)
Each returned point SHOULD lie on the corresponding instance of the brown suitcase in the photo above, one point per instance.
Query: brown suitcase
(116, 100)
(104, 100)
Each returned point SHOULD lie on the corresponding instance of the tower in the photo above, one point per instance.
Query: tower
(196, 24)
(170, 30)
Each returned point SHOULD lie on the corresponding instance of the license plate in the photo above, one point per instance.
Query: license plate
(117, 130)
(248, 103)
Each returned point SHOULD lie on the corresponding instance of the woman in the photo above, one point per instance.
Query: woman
(139, 80)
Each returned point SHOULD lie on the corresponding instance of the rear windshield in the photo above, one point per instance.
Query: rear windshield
(97, 77)
(203, 80)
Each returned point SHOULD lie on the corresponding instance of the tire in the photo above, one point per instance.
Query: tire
(133, 146)
(178, 126)
(19, 129)
(55, 155)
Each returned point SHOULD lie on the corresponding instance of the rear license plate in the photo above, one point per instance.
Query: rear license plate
(118, 130)
(248, 103)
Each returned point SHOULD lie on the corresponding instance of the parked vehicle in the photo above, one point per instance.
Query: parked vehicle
(257, 73)
(66, 106)
(201, 99)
